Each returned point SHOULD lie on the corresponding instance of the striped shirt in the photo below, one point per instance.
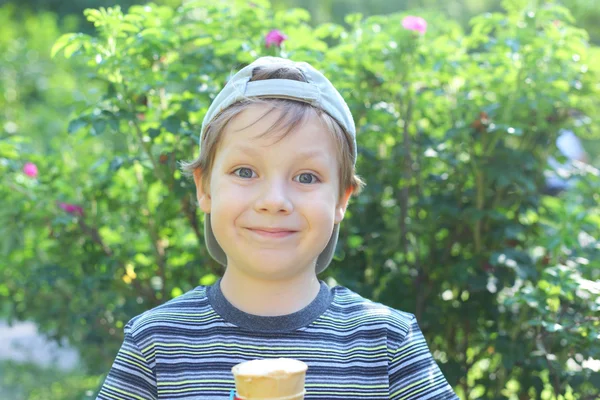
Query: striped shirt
(354, 348)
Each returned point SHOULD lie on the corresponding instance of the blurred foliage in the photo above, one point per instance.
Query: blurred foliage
(586, 12)
(32, 85)
(29, 381)
(454, 131)
(335, 10)
(74, 8)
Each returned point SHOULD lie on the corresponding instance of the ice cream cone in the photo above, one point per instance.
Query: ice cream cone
(271, 379)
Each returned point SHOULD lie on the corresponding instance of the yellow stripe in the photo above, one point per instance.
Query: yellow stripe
(157, 313)
(109, 395)
(406, 355)
(360, 317)
(126, 361)
(290, 355)
(345, 394)
(232, 382)
(405, 388)
(367, 395)
(271, 348)
(342, 326)
(229, 382)
(124, 392)
(225, 390)
(418, 391)
(163, 317)
(142, 359)
(412, 343)
(332, 386)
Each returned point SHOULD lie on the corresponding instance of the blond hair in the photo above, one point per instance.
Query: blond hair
(292, 114)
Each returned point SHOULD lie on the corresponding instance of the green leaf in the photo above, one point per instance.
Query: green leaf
(353, 19)
(328, 30)
(126, 27)
(92, 14)
(77, 124)
(61, 42)
(172, 124)
(99, 126)
(355, 241)
(153, 132)
(176, 292)
(116, 163)
(208, 279)
(114, 124)
(70, 49)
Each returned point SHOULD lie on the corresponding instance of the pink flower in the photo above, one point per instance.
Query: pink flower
(275, 37)
(71, 208)
(417, 24)
(30, 169)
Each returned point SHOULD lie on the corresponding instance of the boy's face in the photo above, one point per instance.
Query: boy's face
(273, 202)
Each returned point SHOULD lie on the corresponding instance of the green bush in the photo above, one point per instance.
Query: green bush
(454, 131)
(32, 382)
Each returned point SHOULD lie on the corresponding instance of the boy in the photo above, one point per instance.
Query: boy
(274, 176)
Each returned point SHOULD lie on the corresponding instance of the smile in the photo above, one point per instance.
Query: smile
(272, 233)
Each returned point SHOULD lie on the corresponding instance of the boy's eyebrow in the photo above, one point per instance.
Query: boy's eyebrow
(245, 149)
(309, 154)
(304, 155)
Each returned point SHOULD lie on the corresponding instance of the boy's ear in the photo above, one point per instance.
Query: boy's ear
(202, 195)
(340, 209)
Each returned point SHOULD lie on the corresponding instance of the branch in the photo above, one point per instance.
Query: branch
(93, 233)
(553, 374)
(140, 137)
(190, 214)
(159, 250)
(479, 203)
(20, 190)
(407, 175)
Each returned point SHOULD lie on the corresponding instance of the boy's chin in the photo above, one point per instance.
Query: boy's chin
(271, 270)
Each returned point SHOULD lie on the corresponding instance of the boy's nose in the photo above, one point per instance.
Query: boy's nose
(274, 198)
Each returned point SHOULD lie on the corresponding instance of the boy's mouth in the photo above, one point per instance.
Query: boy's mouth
(272, 232)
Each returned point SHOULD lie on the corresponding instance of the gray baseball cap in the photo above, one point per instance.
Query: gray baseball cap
(317, 91)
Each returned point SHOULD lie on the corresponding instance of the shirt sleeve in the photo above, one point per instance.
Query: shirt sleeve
(413, 373)
(131, 377)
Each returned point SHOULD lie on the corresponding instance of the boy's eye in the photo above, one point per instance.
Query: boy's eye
(244, 172)
(307, 178)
